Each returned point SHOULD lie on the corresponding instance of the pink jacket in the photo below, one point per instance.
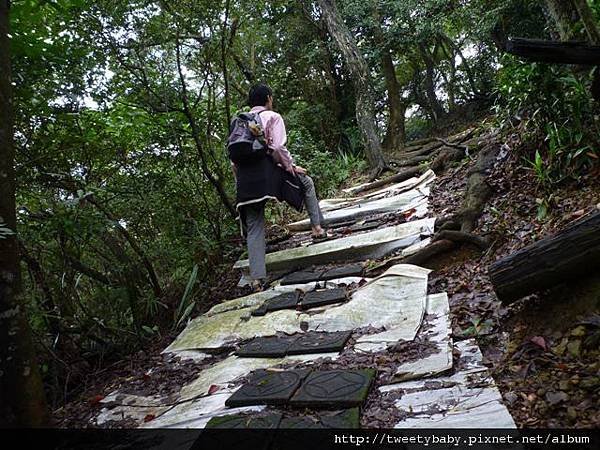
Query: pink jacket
(276, 137)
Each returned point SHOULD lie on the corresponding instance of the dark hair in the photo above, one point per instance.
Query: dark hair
(258, 95)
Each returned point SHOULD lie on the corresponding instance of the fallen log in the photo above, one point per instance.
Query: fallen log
(554, 52)
(571, 253)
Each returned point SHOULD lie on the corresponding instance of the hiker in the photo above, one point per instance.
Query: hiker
(264, 169)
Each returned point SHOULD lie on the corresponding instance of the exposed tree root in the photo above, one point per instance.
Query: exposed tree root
(460, 237)
(435, 248)
(400, 176)
(446, 156)
(457, 229)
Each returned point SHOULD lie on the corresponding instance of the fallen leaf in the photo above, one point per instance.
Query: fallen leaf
(149, 417)
(540, 342)
(212, 389)
(96, 399)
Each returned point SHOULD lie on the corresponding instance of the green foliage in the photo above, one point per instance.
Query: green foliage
(329, 170)
(557, 117)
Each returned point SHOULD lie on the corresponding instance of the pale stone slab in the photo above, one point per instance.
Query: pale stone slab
(441, 334)
(374, 244)
(406, 185)
(394, 299)
(397, 187)
(408, 251)
(397, 203)
(135, 413)
(230, 321)
(231, 368)
(436, 304)
(196, 413)
(464, 399)
(456, 407)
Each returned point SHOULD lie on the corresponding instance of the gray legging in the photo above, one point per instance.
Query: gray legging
(255, 221)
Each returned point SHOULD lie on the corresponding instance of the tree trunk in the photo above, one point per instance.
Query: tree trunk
(562, 15)
(359, 72)
(436, 109)
(586, 15)
(570, 254)
(22, 401)
(395, 135)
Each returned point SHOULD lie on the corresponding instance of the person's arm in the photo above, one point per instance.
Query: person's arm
(278, 140)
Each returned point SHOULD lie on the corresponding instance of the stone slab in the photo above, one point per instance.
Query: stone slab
(350, 270)
(366, 226)
(440, 333)
(323, 297)
(317, 342)
(268, 387)
(395, 299)
(460, 400)
(197, 412)
(244, 421)
(266, 347)
(411, 183)
(366, 207)
(334, 388)
(373, 244)
(288, 300)
(323, 274)
(302, 276)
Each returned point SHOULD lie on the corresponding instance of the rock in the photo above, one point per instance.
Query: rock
(554, 398)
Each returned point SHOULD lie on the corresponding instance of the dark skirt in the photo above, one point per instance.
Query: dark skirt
(265, 180)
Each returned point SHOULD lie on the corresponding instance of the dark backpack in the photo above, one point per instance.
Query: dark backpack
(246, 143)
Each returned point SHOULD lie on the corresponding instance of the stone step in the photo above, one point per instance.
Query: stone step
(374, 244)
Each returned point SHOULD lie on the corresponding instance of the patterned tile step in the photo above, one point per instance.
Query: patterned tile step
(303, 388)
(324, 297)
(298, 344)
(323, 274)
(334, 388)
(268, 387)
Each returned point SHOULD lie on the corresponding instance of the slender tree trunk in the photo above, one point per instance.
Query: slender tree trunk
(359, 72)
(395, 133)
(586, 15)
(224, 49)
(562, 15)
(22, 400)
(436, 109)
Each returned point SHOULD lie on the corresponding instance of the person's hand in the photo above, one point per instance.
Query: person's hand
(300, 170)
